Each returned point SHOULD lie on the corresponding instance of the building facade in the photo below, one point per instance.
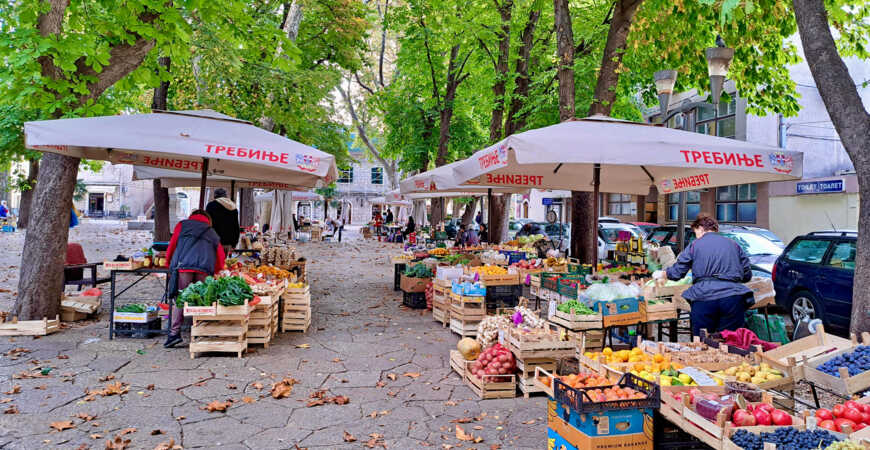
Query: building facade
(356, 186)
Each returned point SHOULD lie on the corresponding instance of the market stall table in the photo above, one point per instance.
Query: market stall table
(142, 274)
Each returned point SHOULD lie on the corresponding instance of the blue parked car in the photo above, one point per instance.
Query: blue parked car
(813, 277)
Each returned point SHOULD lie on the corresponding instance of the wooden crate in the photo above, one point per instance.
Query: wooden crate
(296, 321)
(30, 327)
(488, 388)
(218, 334)
(587, 341)
(467, 308)
(544, 344)
(844, 384)
(576, 322)
(78, 307)
(528, 368)
(506, 279)
(458, 363)
(441, 313)
(660, 311)
(789, 357)
(672, 410)
(218, 310)
(462, 327)
(541, 373)
(123, 265)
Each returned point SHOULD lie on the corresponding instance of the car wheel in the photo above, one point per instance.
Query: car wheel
(804, 304)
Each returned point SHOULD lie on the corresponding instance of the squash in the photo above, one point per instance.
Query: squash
(469, 348)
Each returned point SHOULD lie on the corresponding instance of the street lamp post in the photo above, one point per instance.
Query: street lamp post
(718, 60)
(664, 81)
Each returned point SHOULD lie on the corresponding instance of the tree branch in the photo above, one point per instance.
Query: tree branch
(489, 53)
(362, 132)
(362, 85)
(435, 93)
(383, 45)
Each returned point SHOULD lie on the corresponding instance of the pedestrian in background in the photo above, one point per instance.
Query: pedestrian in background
(225, 220)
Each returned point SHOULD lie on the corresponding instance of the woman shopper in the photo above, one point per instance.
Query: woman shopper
(195, 252)
(719, 268)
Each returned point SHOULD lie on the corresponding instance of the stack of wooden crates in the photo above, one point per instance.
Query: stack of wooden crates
(297, 309)
(218, 328)
(263, 322)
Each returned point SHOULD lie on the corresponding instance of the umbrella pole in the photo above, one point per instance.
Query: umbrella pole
(489, 215)
(233, 190)
(681, 222)
(202, 183)
(596, 185)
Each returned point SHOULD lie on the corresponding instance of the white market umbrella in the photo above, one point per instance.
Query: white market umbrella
(179, 179)
(632, 156)
(383, 200)
(282, 211)
(443, 180)
(202, 141)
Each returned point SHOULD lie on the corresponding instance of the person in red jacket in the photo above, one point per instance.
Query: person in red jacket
(194, 253)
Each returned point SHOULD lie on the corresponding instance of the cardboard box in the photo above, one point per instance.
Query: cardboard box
(762, 289)
(563, 435)
(409, 284)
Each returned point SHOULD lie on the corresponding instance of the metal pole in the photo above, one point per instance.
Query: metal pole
(202, 183)
(489, 215)
(596, 185)
(233, 190)
(681, 222)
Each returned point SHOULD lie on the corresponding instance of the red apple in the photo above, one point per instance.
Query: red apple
(824, 414)
(828, 425)
(743, 418)
(780, 417)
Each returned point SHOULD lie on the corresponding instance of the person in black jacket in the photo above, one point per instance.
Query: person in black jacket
(224, 220)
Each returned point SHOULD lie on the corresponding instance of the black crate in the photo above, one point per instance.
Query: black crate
(397, 276)
(579, 400)
(139, 330)
(503, 296)
(414, 300)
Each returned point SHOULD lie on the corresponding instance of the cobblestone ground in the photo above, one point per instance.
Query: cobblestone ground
(390, 362)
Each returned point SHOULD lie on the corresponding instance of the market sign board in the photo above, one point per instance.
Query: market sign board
(820, 186)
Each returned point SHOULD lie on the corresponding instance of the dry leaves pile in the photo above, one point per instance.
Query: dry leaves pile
(468, 437)
(283, 388)
(349, 437)
(375, 440)
(320, 398)
(116, 388)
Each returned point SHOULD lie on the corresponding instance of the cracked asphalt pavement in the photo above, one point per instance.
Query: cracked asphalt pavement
(389, 361)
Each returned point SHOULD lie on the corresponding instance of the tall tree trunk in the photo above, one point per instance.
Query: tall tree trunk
(27, 196)
(516, 120)
(501, 69)
(447, 107)
(498, 223)
(290, 27)
(161, 211)
(246, 207)
(468, 214)
(584, 217)
(40, 281)
(852, 123)
(565, 49)
(161, 194)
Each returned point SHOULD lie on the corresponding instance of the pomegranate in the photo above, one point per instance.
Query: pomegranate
(780, 417)
(743, 418)
(824, 414)
(762, 417)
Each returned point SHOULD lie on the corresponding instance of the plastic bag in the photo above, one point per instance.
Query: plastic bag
(609, 291)
(757, 324)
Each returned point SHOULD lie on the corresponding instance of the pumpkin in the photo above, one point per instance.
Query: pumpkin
(469, 348)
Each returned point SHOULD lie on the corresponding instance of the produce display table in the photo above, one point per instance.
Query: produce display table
(141, 274)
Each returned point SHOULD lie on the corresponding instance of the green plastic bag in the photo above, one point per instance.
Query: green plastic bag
(776, 325)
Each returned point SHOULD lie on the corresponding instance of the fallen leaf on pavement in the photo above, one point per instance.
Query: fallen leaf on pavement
(381, 384)
(108, 377)
(340, 400)
(156, 432)
(119, 443)
(168, 445)
(468, 437)
(85, 416)
(126, 431)
(529, 422)
(450, 403)
(392, 393)
(477, 427)
(96, 436)
(303, 346)
(247, 399)
(391, 376)
(15, 390)
(283, 388)
(373, 414)
(349, 437)
(232, 386)
(12, 409)
(62, 425)
(6, 400)
(495, 447)
(377, 440)
(217, 406)
(62, 357)
(411, 374)
(337, 360)
(462, 420)
(257, 386)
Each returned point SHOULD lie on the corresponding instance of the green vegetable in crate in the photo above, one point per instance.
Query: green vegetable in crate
(575, 307)
(132, 308)
(228, 291)
(418, 271)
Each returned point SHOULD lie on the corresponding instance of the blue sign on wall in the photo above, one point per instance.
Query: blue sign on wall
(821, 187)
(547, 201)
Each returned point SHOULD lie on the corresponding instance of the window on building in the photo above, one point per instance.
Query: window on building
(716, 121)
(693, 205)
(621, 204)
(377, 175)
(737, 203)
(345, 175)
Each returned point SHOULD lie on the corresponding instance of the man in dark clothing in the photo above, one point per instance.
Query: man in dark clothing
(719, 268)
(389, 216)
(224, 219)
